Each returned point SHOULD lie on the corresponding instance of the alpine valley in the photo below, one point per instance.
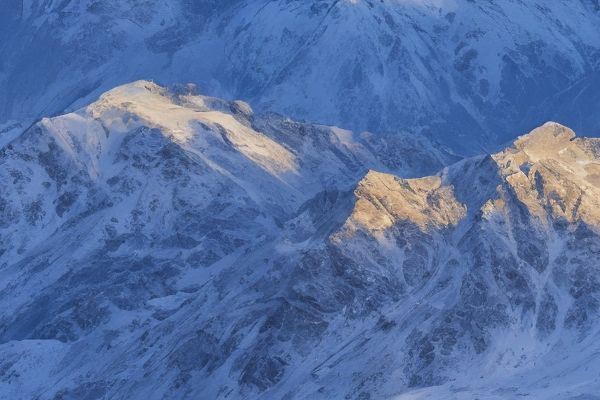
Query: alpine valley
(343, 203)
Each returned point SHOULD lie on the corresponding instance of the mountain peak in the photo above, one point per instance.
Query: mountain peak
(546, 141)
(384, 200)
(337, 233)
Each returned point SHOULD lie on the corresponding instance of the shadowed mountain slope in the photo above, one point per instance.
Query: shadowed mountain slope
(161, 244)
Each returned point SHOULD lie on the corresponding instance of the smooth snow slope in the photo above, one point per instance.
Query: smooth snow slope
(468, 74)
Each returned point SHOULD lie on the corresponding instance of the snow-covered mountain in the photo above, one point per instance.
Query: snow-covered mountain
(137, 140)
(468, 74)
(162, 244)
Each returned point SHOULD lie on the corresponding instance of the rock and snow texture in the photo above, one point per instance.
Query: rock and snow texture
(467, 73)
(150, 200)
(160, 244)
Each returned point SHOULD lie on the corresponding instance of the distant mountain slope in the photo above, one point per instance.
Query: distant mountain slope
(137, 140)
(468, 74)
(159, 244)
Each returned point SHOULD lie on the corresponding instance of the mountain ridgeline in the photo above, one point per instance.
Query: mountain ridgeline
(162, 244)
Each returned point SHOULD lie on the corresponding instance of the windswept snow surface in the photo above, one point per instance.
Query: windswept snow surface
(469, 74)
(159, 244)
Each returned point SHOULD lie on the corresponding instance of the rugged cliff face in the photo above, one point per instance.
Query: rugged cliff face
(468, 74)
(161, 244)
(150, 152)
(495, 258)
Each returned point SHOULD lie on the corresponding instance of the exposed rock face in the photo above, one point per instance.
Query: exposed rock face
(489, 247)
(161, 244)
(164, 159)
(384, 199)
